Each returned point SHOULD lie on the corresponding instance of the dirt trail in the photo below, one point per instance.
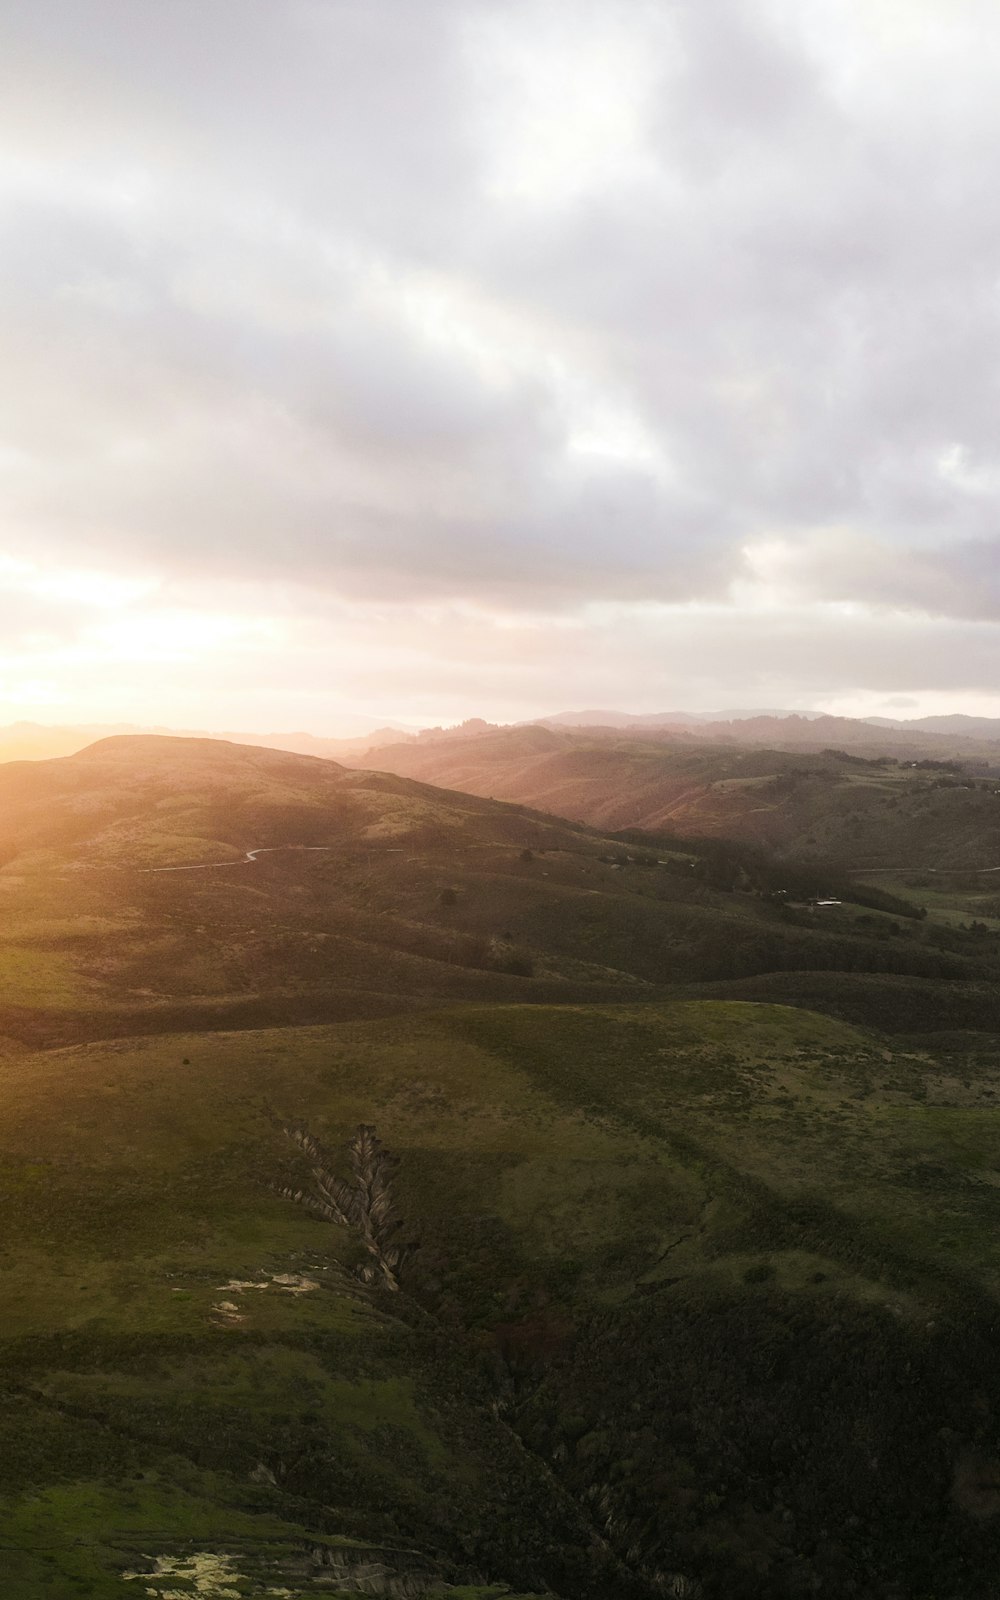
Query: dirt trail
(251, 855)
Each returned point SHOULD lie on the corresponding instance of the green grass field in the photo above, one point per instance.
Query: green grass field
(164, 1389)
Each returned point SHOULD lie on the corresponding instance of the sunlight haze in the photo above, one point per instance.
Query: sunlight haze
(416, 363)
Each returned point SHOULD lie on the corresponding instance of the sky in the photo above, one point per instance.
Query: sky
(372, 362)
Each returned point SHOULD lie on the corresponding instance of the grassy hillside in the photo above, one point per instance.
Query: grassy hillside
(871, 813)
(702, 1176)
(682, 1272)
(158, 885)
(147, 801)
(129, 898)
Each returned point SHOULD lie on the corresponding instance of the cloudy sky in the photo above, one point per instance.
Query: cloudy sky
(370, 360)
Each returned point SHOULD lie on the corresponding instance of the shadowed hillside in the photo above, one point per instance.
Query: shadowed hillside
(703, 1303)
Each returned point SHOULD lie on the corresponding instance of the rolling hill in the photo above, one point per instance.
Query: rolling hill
(697, 1178)
(155, 884)
(35, 741)
(162, 881)
(870, 812)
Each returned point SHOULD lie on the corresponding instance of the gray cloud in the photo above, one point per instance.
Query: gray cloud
(360, 298)
(962, 580)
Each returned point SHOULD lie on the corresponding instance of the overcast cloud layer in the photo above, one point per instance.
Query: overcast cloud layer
(464, 357)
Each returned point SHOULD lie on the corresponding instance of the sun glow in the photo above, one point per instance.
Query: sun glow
(562, 116)
(74, 586)
(88, 641)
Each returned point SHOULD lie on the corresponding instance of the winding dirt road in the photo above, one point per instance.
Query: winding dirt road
(251, 855)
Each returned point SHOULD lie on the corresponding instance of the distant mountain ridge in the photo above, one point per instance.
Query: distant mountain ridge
(933, 736)
(656, 719)
(936, 737)
(956, 722)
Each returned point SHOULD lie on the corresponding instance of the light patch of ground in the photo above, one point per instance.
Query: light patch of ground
(205, 1573)
(227, 1313)
(289, 1282)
